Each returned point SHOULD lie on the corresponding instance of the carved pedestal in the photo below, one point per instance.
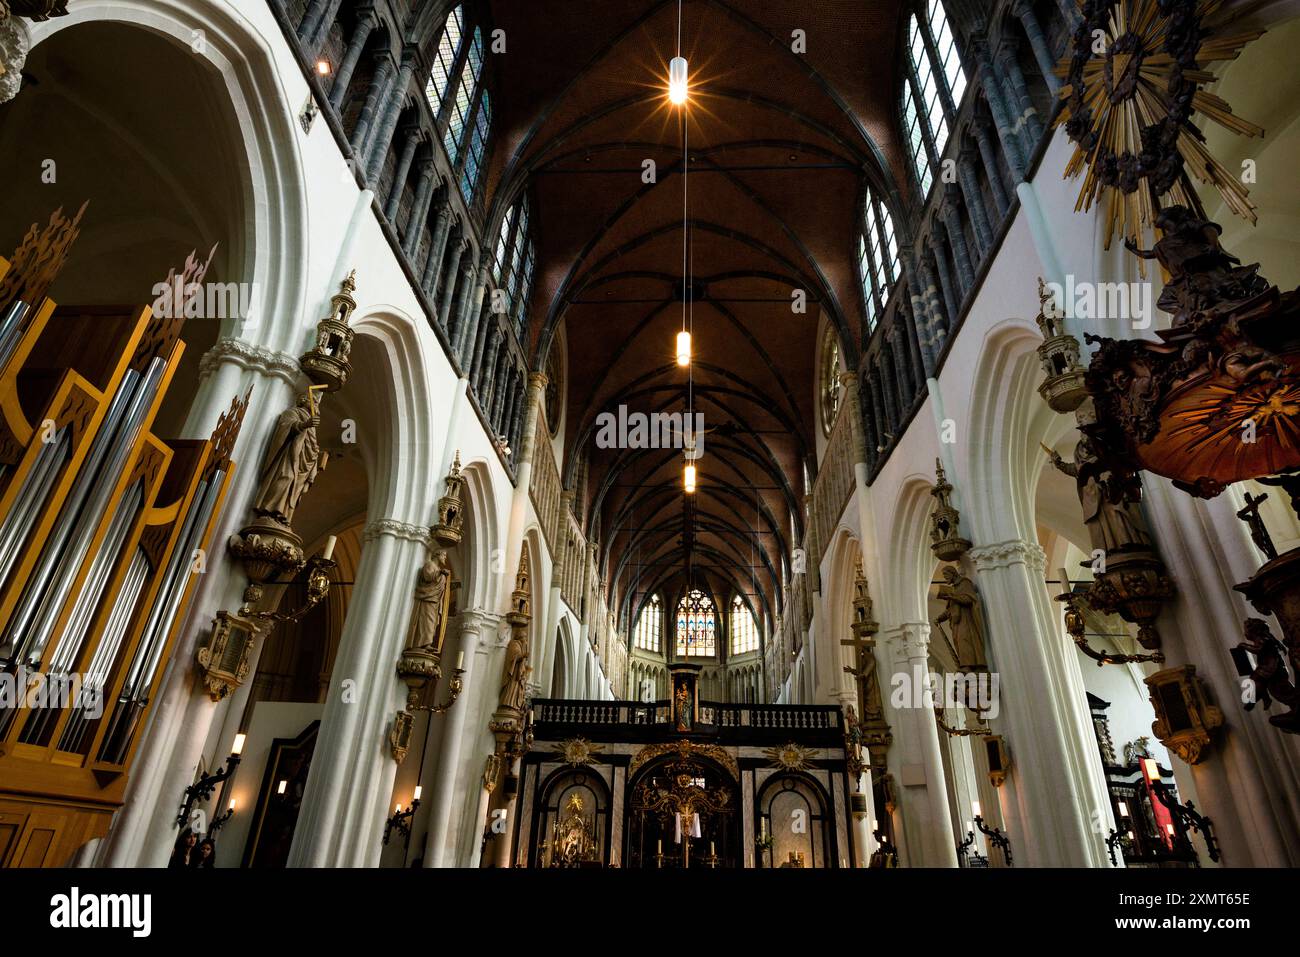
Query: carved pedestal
(1133, 586)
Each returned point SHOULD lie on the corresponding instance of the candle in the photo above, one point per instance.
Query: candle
(329, 547)
(975, 808)
(661, 845)
(1153, 769)
(232, 804)
(460, 660)
(238, 746)
(418, 791)
(1123, 809)
(711, 850)
(399, 807)
(283, 785)
(969, 827)
(1169, 828)
(875, 826)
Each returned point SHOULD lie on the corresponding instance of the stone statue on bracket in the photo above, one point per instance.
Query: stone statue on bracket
(432, 598)
(1109, 499)
(294, 458)
(514, 680)
(962, 614)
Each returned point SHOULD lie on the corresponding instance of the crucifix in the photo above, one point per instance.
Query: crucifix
(1258, 533)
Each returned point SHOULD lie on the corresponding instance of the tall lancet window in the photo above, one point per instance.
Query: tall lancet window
(513, 259)
(649, 625)
(877, 257)
(935, 85)
(744, 631)
(696, 626)
(460, 111)
(456, 98)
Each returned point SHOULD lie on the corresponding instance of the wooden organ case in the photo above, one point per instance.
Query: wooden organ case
(103, 530)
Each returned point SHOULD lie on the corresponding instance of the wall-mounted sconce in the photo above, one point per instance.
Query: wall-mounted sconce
(1076, 627)
(994, 834)
(956, 732)
(220, 820)
(201, 790)
(400, 820)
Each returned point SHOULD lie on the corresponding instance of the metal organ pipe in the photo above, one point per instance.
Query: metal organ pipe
(66, 549)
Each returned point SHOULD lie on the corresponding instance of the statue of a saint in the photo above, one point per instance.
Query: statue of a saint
(1109, 500)
(963, 618)
(514, 681)
(682, 705)
(432, 595)
(293, 459)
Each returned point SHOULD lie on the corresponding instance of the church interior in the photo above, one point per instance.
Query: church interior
(650, 434)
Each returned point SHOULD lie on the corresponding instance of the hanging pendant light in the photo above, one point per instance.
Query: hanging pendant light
(683, 348)
(677, 80)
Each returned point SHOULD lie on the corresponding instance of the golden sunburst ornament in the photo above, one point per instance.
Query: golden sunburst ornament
(578, 751)
(791, 756)
(1134, 83)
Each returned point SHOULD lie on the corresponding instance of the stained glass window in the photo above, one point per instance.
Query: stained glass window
(696, 625)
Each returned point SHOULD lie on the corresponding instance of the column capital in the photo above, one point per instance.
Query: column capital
(909, 643)
(537, 380)
(1006, 554)
(394, 528)
(247, 355)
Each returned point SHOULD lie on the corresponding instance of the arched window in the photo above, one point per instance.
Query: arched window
(877, 257)
(830, 379)
(477, 148)
(648, 625)
(744, 632)
(458, 111)
(512, 266)
(444, 61)
(696, 625)
(935, 85)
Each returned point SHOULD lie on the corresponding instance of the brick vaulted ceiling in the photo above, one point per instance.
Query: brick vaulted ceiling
(782, 145)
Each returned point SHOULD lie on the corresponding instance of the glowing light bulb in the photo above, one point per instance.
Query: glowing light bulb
(683, 348)
(323, 67)
(677, 80)
(690, 478)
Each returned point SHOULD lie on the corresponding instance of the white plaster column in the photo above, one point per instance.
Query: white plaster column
(453, 733)
(346, 801)
(921, 776)
(1248, 783)
(181, 727)
(1054, 756)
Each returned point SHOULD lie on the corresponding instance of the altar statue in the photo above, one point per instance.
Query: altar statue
(572, 841)
(962, 615)
(293, 460)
